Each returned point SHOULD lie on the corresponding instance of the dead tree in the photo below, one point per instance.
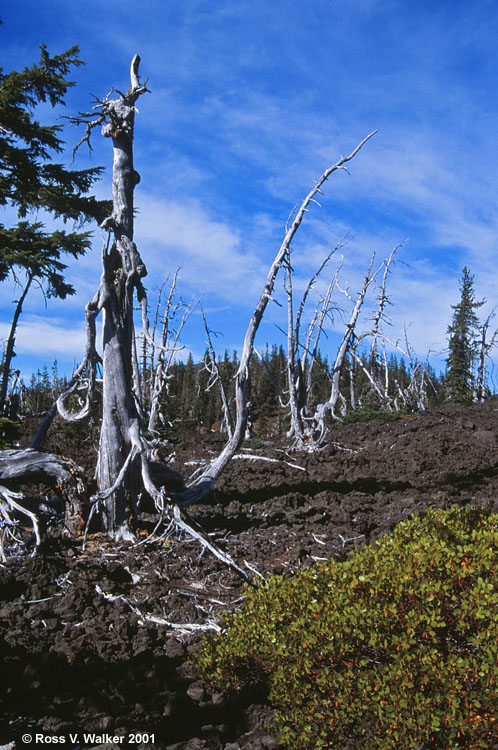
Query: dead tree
(214, 378)
(379, 315)
(206, 481)
(168, 347)
(315, 330)
(9, 347)
(330, 405)
(19, 468)
(376, 366)
(485, 347)
(295, 379)
(121, 448)
(415, 394)
(301, 358)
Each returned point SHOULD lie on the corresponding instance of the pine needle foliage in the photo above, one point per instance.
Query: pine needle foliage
(462, 342)
(36, 187)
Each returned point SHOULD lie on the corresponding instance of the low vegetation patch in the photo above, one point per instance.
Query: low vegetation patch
(367, 413)
(396, 646)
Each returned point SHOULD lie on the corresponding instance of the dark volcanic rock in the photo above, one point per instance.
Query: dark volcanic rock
(79, 652)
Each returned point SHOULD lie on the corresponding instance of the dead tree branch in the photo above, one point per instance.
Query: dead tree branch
(330, 405)
(207, 480)
(215, 378)
(485, 347)
(25, 467)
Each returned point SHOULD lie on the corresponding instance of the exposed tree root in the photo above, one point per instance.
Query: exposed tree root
(25, 467)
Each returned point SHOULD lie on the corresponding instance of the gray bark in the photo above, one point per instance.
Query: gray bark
(121, 448)
(330, 405)
(122, 270)
(159, 370)
(485, 347)
(205, 483)
(9, 347)
(24, 467)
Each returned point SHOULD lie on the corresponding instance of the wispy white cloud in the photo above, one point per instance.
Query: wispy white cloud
(48, 337)
(210, 251)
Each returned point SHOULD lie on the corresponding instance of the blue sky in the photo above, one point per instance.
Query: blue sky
(250, 101)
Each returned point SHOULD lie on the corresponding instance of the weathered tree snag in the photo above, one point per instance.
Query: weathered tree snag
(485, 347)
(24, 467)
(122, 269)
(169, 346)
(300, 366)
(377, 368)
(211, 366)
(295, 380)
(383, 302)
(205, 483)
(330, 405)
(121, 443)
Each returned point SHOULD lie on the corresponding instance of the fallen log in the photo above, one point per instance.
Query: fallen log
(29, 467)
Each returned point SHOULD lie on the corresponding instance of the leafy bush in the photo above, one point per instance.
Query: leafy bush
(253, 443)
(394, 647)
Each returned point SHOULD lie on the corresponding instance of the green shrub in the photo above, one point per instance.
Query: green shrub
(253, 443)
(367, 413)
(394, 647)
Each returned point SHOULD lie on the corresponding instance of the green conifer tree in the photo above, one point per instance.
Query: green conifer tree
(462, 342)
(35, 186)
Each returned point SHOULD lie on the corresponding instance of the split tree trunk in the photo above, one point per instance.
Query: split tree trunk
(122, 269)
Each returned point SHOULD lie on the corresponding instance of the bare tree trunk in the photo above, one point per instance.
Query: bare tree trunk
(294, 369)
(11, 402)
(122, 270)
(121, 451)
(317, 325)
(352, 382)
(383, 302)
(158, 372)
(330, 405)
(9, 348)
(207, 480)
(299, 369)
(215, 378)
(485, 347)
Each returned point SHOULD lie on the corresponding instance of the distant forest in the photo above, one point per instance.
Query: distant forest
(192, 401)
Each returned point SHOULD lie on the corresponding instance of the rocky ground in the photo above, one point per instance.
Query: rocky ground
(89, 638)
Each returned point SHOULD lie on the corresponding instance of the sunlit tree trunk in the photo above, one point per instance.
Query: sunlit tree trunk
(122, 269)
